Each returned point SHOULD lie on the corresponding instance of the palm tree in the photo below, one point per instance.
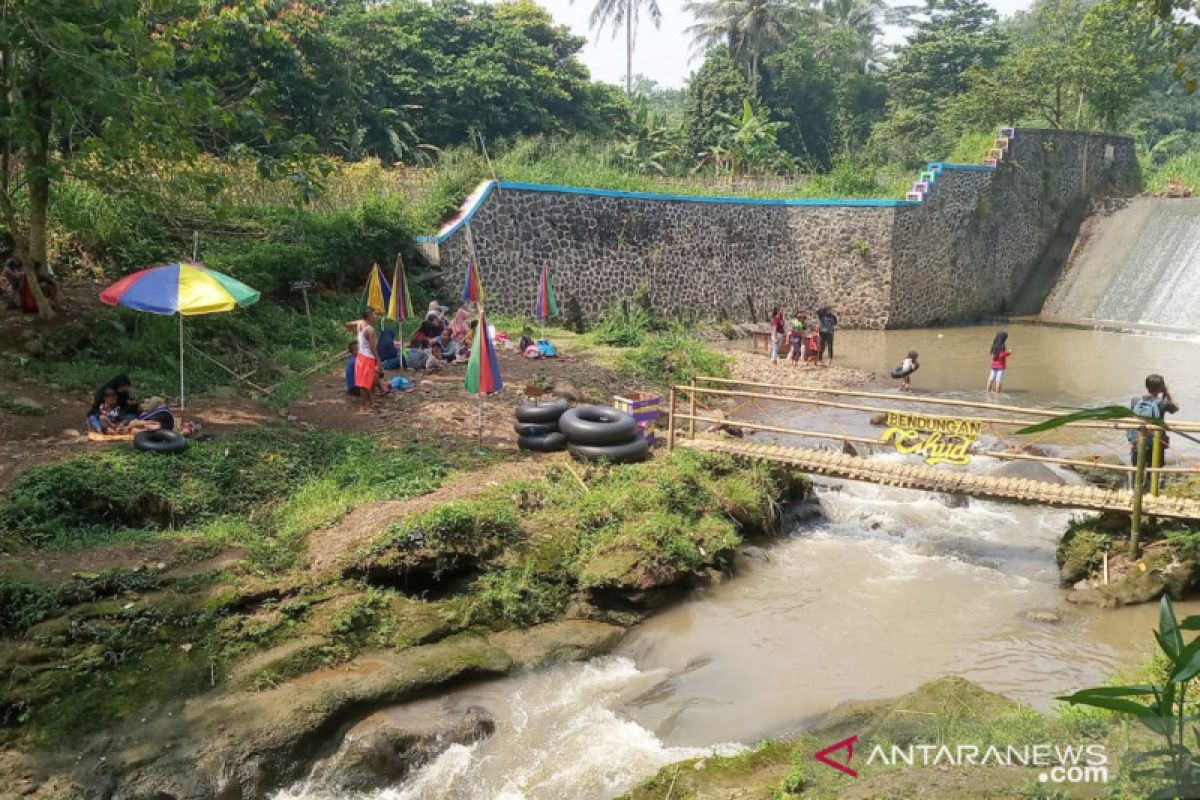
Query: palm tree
(753, 29)
(624, 12)
(858, 17)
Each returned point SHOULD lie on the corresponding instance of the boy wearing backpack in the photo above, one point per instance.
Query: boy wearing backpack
(1156, 403)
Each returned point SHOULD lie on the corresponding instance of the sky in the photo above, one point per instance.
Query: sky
(663, 55)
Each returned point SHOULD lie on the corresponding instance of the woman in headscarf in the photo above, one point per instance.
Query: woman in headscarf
(458, 326)
(120, 385)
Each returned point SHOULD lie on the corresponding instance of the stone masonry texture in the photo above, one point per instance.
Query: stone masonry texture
(965, 252)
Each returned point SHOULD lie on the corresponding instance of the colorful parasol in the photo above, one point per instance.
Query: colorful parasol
(400, 307)
(376, 293)
(182, 288)
(472, 288)
(483, 369)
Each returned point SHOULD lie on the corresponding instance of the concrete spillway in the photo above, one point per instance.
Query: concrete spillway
(1138, 265)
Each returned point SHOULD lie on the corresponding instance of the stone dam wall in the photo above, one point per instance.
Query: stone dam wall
(963, 245)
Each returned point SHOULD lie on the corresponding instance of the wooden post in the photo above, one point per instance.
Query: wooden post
(312, 334)
(692, 412)
(1139, 484)
(1156, 462)
(671, 423)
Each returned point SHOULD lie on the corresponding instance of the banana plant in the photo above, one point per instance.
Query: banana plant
(1162, 708)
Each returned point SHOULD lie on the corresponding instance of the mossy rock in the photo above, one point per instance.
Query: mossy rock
(1080, 553)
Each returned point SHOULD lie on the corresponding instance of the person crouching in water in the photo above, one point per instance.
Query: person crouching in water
(366, 364)
(1000, 354)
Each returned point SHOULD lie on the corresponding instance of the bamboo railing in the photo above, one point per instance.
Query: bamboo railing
(1001, 441)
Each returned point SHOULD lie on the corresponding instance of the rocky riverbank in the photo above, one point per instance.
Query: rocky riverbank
(219, 671)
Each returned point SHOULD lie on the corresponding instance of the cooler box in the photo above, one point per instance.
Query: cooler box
(642, 406)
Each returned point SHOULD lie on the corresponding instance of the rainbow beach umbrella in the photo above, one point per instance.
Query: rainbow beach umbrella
(182, 288)
(483, 369)
(545, 304)
(400, 305)
(377, 293)
(472, 288)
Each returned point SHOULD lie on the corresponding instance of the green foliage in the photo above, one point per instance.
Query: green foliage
(752, 142)
(623, 324)
(465, 524)
(951, 37)
(1162, 707)
(25, 604)
(247, 476)
(521, 595)
(718, 88)
(674, 356)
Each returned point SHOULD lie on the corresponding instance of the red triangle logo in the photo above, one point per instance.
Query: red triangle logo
(848, 744)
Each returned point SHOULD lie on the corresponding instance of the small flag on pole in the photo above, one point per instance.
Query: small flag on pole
(400, 305)
(376, 293)
(472, 289)
(483, 370)
(546, 304)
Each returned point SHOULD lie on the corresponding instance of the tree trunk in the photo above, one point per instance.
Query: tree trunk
(37, 171)
(629, 47)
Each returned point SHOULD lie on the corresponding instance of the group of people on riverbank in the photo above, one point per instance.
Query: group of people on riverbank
(115, 413)
(440, 341)
(801, 341)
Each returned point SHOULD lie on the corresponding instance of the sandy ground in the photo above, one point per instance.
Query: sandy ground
(442, 413)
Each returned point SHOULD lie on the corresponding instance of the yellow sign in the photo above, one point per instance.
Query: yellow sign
(939, 440)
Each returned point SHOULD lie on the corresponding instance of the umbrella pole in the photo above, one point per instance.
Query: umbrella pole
(182, 403)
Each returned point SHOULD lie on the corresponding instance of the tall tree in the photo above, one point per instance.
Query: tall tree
(860, 19)
(74, 67)
(750, 29)
(951, 36)
(624, 13)
(717, 89)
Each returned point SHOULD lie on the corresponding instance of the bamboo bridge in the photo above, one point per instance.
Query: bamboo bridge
(829, 432)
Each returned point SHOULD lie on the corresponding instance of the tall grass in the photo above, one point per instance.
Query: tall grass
(1183, 169)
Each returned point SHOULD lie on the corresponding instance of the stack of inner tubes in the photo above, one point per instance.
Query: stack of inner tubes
(600, 433)
(537, 426)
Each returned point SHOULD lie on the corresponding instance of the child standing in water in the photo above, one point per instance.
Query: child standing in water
(904, 372)
(1000, 354)
(796, 341)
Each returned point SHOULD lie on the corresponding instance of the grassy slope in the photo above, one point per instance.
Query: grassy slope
(234, 606)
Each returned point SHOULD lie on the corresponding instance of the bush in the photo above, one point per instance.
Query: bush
(675, 356)
(622, 325)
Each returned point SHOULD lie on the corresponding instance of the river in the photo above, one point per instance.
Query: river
(883, 590)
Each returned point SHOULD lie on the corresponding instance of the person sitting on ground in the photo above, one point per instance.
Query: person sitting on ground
(425, 360)
(106, 415)
(120, 384)
(366, 363)
(1156, 403)
(155, 415)
(449, 345)
(458, 325)
(389, 354)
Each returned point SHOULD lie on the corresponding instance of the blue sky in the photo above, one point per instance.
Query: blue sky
(664, 54)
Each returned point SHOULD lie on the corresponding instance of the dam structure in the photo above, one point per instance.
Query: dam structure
(968, 241)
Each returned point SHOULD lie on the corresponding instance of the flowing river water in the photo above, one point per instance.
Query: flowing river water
(882, 591)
